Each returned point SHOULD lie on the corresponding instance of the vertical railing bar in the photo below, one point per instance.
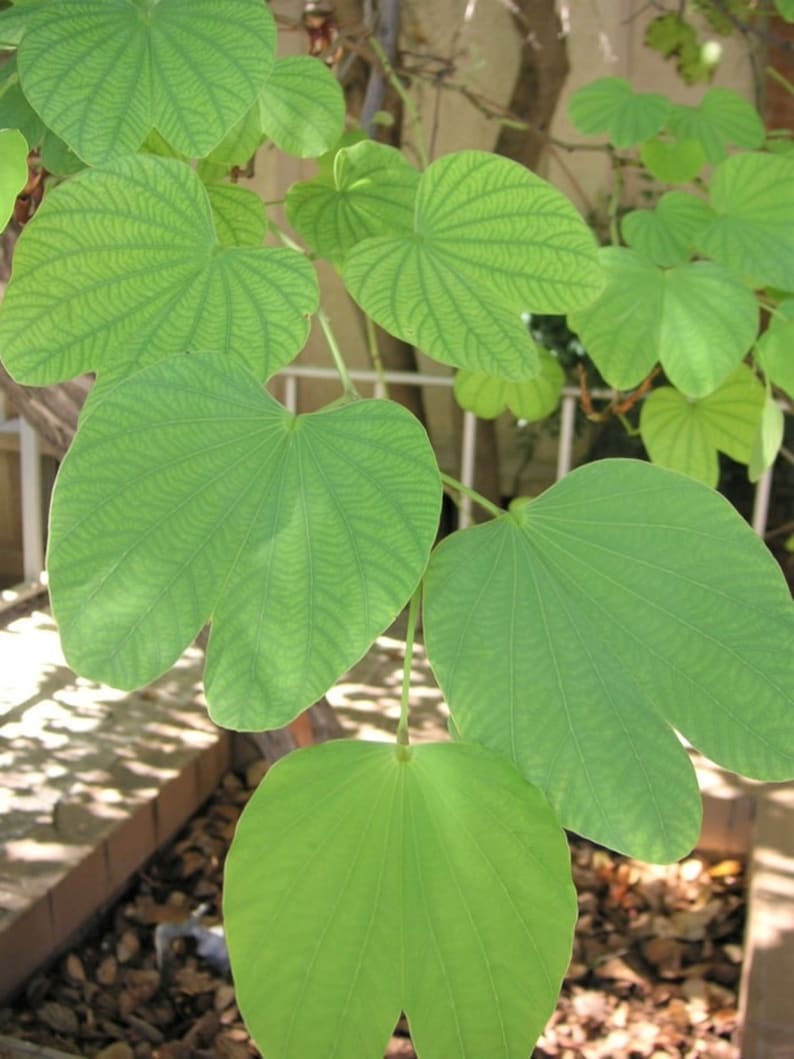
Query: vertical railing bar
(291, 392)
(565, 444)
(468, 453)
(32, 522)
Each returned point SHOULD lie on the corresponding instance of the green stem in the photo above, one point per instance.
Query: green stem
(287, 240)
(781, 80)
(614, 200)
(347, 383)
(410, 634)
(374, 355)
(478, 498)
(408, 103)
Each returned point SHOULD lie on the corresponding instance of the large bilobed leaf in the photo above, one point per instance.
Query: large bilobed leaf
(532, 399)
(574, 631)
(673, 162)
(753, 232)
(667, 234)
(102, 73)
(370, 190)
(490, 241)
(190, 494)
(685, 435)
(361, 884)
(698, 319)
(122, 266)
(612, 106)
(302, 107)
(13, 170)
(776, 348)
(723, 117)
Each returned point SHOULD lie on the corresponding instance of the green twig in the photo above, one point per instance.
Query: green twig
(478, 498)
(408, 103)
(776, 75)
(410, 634)
(614, 200)
(339, 363)
(374, 355)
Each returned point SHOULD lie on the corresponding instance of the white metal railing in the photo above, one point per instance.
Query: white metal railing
(30, 453)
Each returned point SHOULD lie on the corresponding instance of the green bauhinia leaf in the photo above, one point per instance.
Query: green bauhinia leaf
(685, 435)
(190, 494)
(532, 399)
(102, 73)
(240, 142)
(697, 319)
(572, 633)
(13, 170)
(723, 117)
(673, 162)
(490, 241)
(351, 864)
(776, 348)
(369, 190)
(752, 196)
(612, 106)
(667, 235)
(122, 266)
(302, 107)
(238, 215)
(768, 439)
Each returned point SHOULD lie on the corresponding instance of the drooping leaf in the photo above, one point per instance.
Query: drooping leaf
(571, 633)
(190, 494)
(532, 399)
(685, 435)
(673, 161)
(360, 885)
(723, 117)
(768, 439)
(302, 107)
(776, 348)
(370, 190)
(612, 106)
(102, 73)
(122, 266)
(490, 241)
(667, 235)
(753, 232)
(697, 319)
(13, 170)
(238, 215)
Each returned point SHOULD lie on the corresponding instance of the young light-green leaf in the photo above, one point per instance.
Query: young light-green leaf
(190, 494)
(488, 396)
(490, 241)
(102, 73)
(370, 190)
(776, 348)
(360, 885)
(723, 117)
(13, 170)
(572, 633)
(667, 235)
(302, 107)
(612, 106)
(673, 162)
(752, 196)
(768, 439)
(698, 319)
(123, 266)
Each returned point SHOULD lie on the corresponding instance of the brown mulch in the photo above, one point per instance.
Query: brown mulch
(655, 969)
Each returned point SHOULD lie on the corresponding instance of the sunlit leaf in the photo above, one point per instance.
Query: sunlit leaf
(612, 106)
(102, 73)
(723, 117)
(190, 494)
(351, 865)
(667, 235)
(776, 348)
(490, 241)
(488, 396)
(238, 215)
(573, 632)
(673, 162)
(768, 439)
(302, 107)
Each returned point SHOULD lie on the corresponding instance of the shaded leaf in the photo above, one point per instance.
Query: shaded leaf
(775, 349)
(301, 106)
(238, 215)
(532, 399)
(13, 170)
(723, 117)
(667, 235)
(612, 106)
(768, 439)
(446, 863)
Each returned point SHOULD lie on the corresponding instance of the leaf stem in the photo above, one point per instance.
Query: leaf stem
(478, 498)
(408, 103)
(374, 355)
(410, 634)
(614, 200)
(339, 363)
(770, 71)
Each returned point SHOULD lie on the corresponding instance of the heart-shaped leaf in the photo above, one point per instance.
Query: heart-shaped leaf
(753, 232)
(190, 494)
(351, 864)
(667, 235)
(238, 215)
(685, 435)
(102, 73)
(723, 117)
(487, 396)
(776, 348)
(673, 161)
(13, 170)
(122, 266)
(369, 189)
(697, 319)
(612, 106)
(572, 633)
(302, 107)
(490, 241)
